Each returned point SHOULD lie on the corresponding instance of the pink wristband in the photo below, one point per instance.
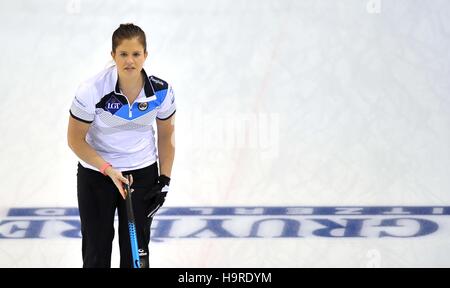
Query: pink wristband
(104, 167)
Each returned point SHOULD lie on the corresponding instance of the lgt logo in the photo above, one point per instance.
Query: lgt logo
(113, 105)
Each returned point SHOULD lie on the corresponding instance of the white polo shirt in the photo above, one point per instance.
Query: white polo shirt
(122, 133)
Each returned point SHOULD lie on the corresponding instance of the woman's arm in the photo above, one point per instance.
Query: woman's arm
(76, 139)
(166, 144)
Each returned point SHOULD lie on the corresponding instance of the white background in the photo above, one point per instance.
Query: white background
(278, 103)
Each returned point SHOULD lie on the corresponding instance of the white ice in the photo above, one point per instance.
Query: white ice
(279, 103)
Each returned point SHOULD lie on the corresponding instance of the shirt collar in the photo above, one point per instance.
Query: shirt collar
(148, 87)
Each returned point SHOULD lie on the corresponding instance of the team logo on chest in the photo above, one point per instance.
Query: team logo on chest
(113, 105)
(142, 106)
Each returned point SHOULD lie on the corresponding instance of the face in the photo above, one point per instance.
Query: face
(129, 57)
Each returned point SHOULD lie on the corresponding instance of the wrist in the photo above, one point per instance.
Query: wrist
(105, 167)
(108, 170)
(163, 179)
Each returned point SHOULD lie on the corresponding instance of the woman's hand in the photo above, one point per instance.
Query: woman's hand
(118, 179)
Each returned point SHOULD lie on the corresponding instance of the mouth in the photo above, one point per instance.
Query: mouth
(129, 68)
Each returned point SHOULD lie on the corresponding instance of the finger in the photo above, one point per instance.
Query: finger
(124, 180)
(123, 192)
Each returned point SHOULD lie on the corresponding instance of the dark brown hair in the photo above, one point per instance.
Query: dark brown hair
(128, 31)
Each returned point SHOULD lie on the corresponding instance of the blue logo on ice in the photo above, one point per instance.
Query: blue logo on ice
(113, 105)
(332, 222)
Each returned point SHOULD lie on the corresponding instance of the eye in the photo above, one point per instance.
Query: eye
(123, 54)
(136, 54)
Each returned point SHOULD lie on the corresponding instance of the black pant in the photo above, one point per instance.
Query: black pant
(98, 199)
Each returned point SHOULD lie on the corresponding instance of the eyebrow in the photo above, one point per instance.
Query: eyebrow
(122, 51)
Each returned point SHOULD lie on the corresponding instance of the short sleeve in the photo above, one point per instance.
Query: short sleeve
(82, 107)
(168, 107)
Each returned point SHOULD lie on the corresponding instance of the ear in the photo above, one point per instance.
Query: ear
(113, 55)
(145, 55)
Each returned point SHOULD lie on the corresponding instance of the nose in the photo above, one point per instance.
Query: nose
(129, 60)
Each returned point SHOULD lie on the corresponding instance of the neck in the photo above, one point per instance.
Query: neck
(127, 83)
